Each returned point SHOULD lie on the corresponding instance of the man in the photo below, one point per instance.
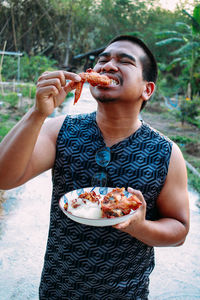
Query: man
(86, 262)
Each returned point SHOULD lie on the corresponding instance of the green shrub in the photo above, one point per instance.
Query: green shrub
(4, 129)
(164, 81)
(17, 118)
(194, 180)
(9, 68)
(11, 98)
(33, 92)
(195, 121)
(181, 139)
(189, 111)
(30, 67)
(4, 117)
(28, 91)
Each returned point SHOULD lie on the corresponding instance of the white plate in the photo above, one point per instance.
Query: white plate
(92, 222)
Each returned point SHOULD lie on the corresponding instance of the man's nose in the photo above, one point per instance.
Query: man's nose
(109, 66)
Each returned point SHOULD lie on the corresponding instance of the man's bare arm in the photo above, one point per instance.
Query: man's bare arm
(29, 148)
(173, 206)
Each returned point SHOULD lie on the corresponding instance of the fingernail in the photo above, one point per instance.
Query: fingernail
(77, 77)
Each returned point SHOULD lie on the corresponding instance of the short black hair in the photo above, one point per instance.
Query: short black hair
(149, 64)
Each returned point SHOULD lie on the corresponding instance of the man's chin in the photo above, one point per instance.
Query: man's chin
(102, 95)
(106, 100)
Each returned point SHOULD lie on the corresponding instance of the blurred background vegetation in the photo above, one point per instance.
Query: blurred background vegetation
(51, 34)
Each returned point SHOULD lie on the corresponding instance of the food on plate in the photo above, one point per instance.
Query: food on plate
(93, 206)
(92, 196)
(91, 77)
(87, 205)
(116, 204)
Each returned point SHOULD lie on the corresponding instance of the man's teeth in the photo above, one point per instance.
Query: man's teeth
(114, 82)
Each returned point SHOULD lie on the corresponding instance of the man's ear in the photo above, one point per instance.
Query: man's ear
(148, 90)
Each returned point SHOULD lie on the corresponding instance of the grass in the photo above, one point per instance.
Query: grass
(182, 142)
(7, 122)
(10, 98)
(4, 129)
(193, 180)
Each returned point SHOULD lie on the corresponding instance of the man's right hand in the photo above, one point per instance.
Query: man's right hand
(30, 147)
(52, 90)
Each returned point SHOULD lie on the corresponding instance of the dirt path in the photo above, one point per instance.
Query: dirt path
(167, 124)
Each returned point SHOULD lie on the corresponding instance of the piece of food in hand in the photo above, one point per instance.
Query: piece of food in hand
(87, 205)
(92, 78)
(116, 204)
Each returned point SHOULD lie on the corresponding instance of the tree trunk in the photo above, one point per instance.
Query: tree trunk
(66, 62)
(13, 28)
(189, 91)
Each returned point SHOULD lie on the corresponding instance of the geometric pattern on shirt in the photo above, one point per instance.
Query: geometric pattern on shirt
(85, 262)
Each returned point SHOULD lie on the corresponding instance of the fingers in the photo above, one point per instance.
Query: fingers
(56, 81)
(122, 225)
(70, 86)
(58, 78)
(47, 90)
(133, 191)
(50, 90)
(137, 193)
(54, 84)
(139, 215)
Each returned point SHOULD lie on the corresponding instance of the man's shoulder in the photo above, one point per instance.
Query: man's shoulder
(54, 124)
(57, 122)
(156, 134)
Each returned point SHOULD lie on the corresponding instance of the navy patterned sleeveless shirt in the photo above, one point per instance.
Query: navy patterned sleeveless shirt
(101, 263)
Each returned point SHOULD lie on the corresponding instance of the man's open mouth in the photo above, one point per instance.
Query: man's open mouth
(114, 82)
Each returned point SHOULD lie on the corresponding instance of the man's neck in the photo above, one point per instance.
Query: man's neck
(116, 126)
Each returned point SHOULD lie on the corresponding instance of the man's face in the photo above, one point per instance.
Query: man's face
(120, 61)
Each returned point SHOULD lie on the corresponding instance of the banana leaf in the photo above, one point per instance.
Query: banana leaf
(196, 17)
(186, 49)
(164, 34)
(173, 63)
(184, 26)
(169, 41)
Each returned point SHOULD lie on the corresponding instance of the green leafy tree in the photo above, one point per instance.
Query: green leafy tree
(61, 29)
(186, 39)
